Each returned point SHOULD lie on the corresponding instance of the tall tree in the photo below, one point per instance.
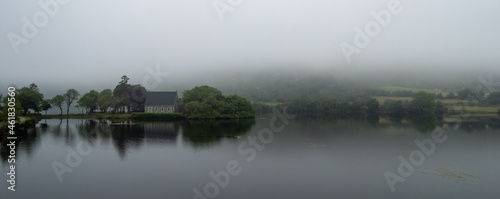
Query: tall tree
(46, 105)
(30, 98)
(422, 106)
(89, 100)
(136, 97)
(58, 101)
(70, 96)
(120, 94)
(372, 106)
(105, 99)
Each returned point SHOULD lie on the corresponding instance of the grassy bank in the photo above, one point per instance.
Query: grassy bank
(87, 116)
(133, 116)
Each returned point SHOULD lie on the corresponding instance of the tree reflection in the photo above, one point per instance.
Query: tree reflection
(373, 119)
(94, 129)
(424, 125)
(203, 133)
(127, 136)
(470, 127)
(27, 141)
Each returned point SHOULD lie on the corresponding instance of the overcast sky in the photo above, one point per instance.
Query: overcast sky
(91, 43)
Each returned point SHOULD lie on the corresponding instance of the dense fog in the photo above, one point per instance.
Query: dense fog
(175, 45)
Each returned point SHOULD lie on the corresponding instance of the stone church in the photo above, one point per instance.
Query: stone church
(162, 102)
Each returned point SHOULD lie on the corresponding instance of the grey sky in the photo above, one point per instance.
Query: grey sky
(90, 44)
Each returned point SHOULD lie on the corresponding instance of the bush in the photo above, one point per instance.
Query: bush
(206, 102)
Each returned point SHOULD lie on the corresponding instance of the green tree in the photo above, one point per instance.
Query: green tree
(136, 97)
(451, 95)
(89, 101)
(58, 101)
(199, 110)
(46, 105)
(397, 110)
(105, 99)
(30, 98)
(440, 109)
(372, 106)
(325, 106)
(239, 107)
(493, 98)
(4, 110)
(201, 93)
(464, 93)
(120, 94)
(422, 106)
(357, 108)
(206, 102)
(70, 96)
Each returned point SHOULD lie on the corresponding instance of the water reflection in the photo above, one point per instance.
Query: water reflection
(161, 132)
(27, 141)
(424, 125)
(205, 133)
(126, 137)
(373, 119)
(198, 134)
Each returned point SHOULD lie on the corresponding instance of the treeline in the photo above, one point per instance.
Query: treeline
(492, 98)
(282, 87)
(422, 106)
(201, 102)
(124, 98)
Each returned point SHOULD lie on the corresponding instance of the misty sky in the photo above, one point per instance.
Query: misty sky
(91, 44)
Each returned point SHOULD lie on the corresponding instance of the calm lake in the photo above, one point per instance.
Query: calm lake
(261, 158)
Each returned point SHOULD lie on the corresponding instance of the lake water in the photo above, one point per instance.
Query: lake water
(261, 158)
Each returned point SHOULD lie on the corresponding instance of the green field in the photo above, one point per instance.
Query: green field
(477, 110)
(401, 88)
(451, 104)
(381, 99)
